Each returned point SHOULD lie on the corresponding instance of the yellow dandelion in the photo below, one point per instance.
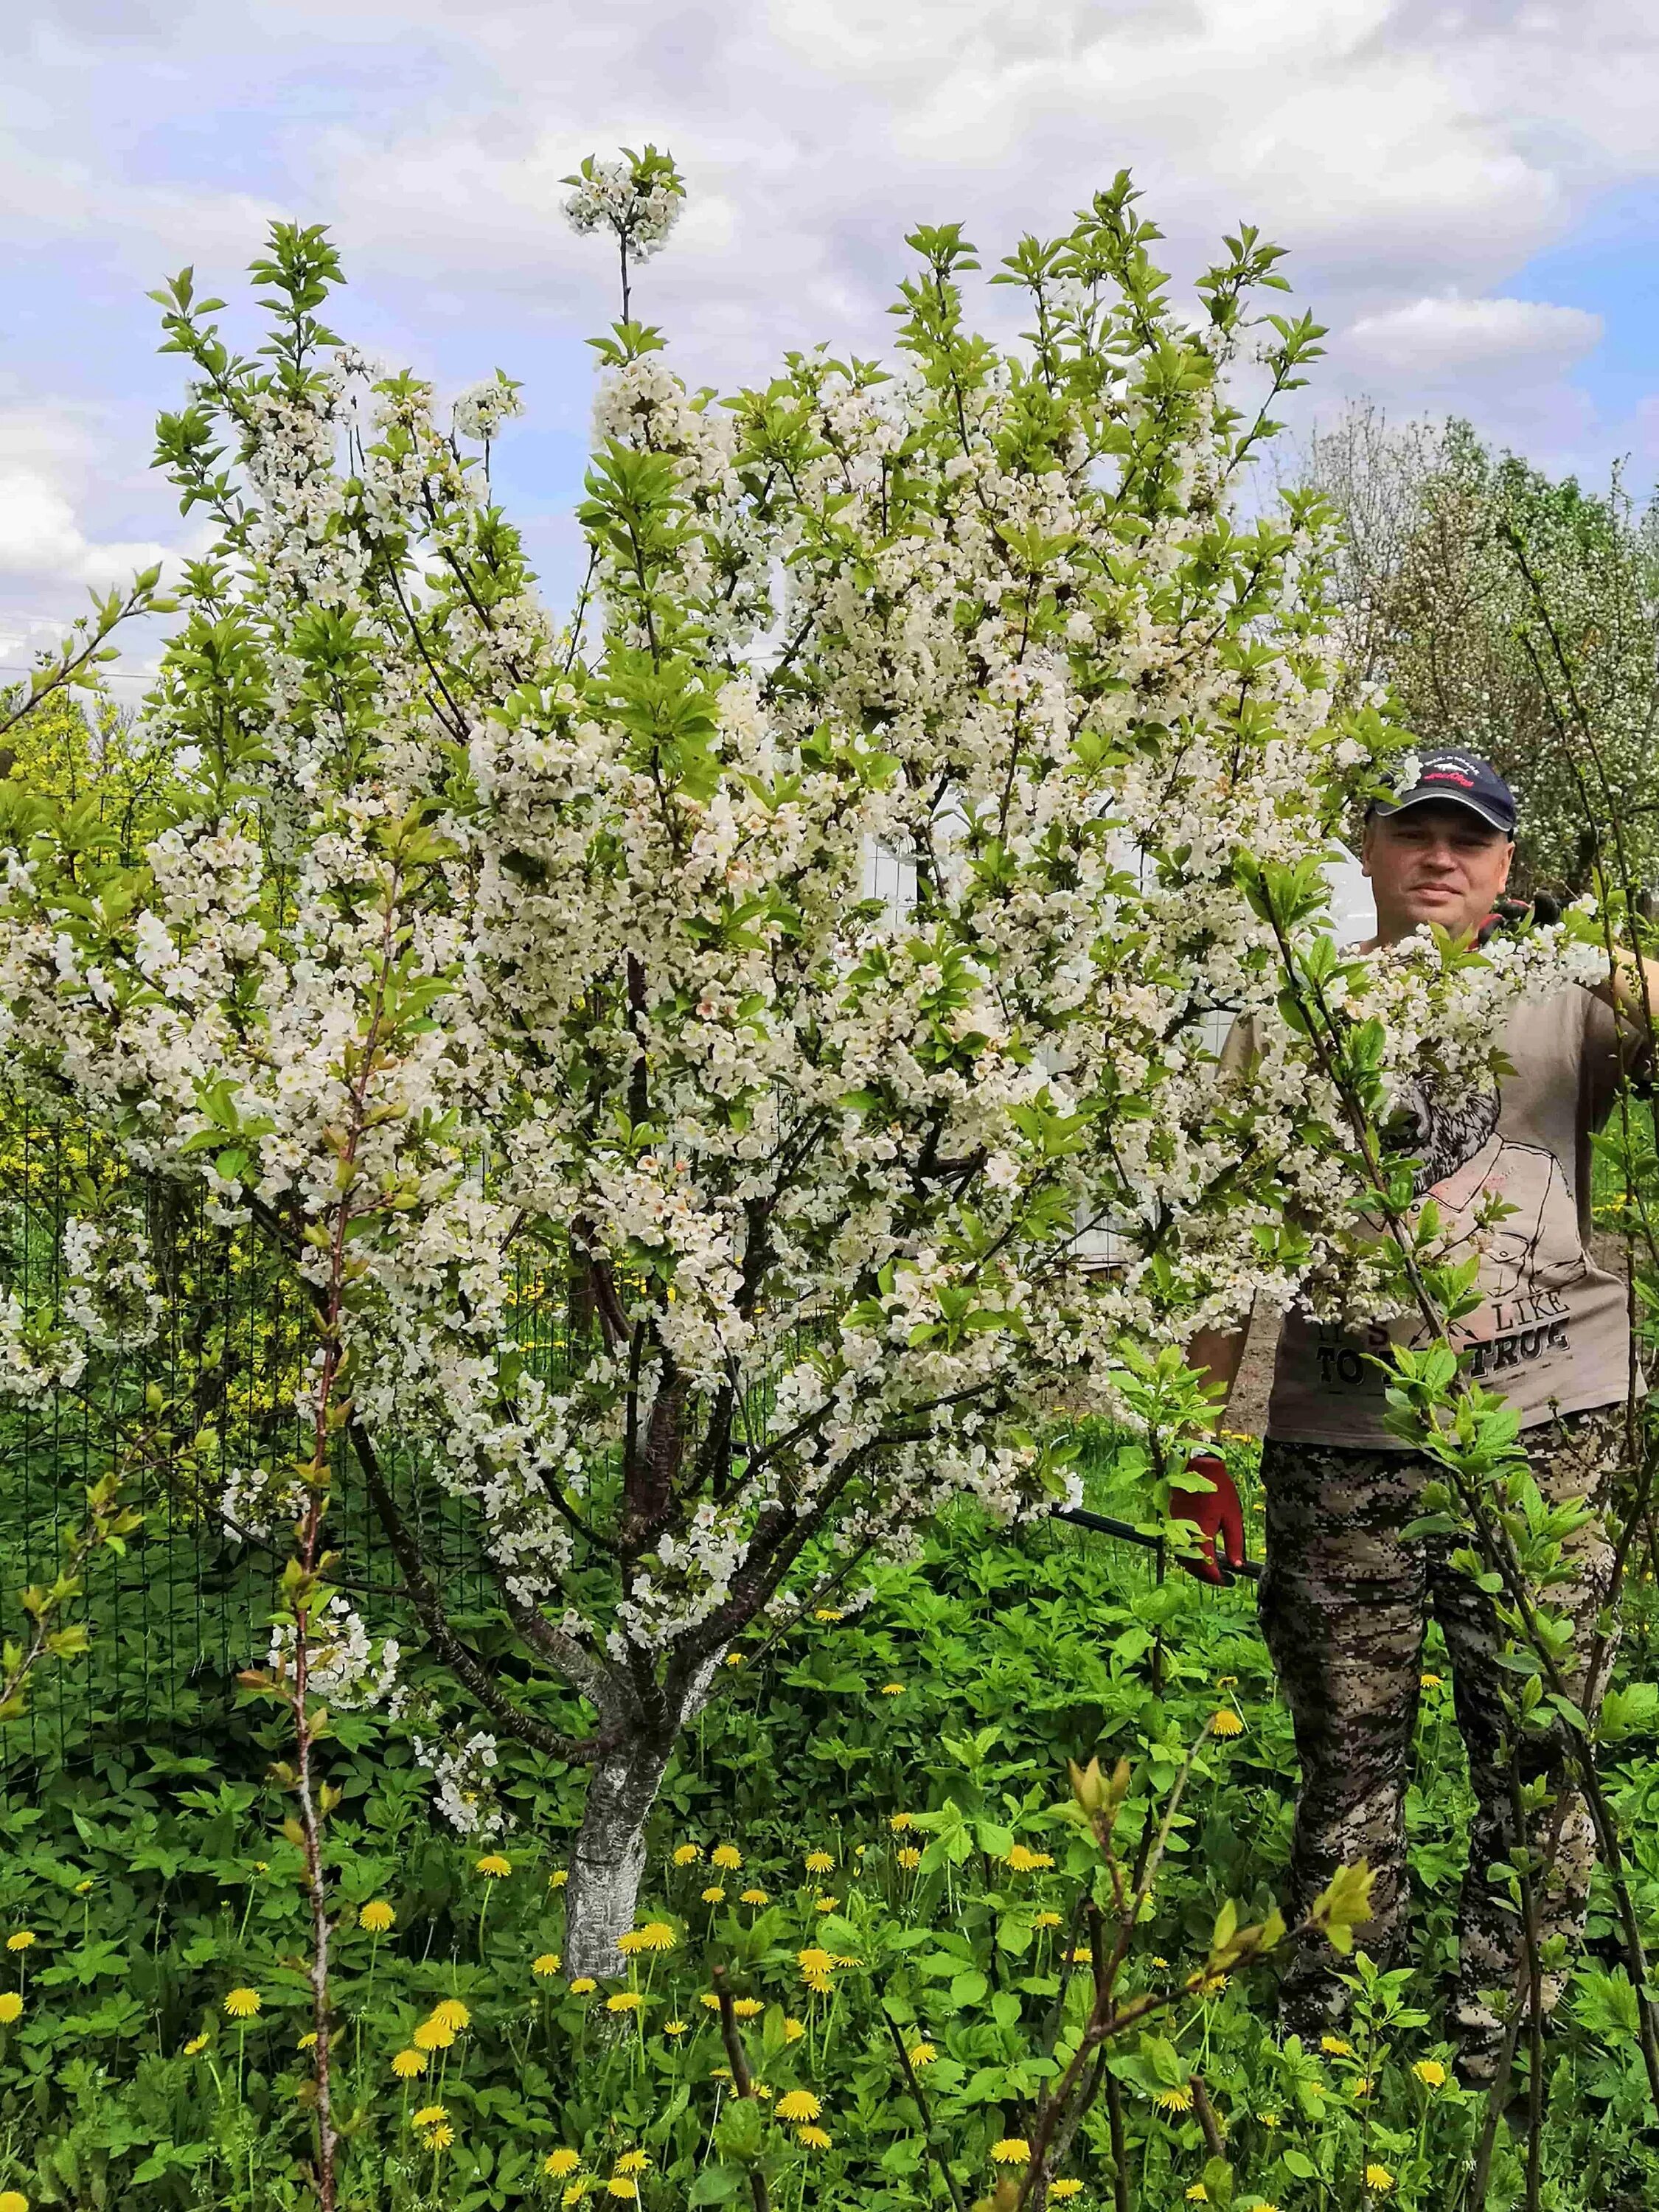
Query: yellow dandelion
(377, 1915)
(892, 1689)
(814, 2138)
(762, 2090)
(656, 1935)
(1226, 1723)
(433, 2035)
(1058, 2190)
(583, 1986)
(1379, 2178)
(441, 2137)
(307, 2042)
(574, 2191)
(1174, 2101)
(1431, 2073)
(242, 2004)
(1011, 2150)
(547, 1965)
(12, 2200)
(709, 2002)
(624, 2001)
(687, 1854)
(492, 1865)
(1198, 2194)
(734, 1658)
(713, 1895)
(1336, 2047)
(726, 1855)
(813, 1962)
(558, 2163)
(825, 1904)
(827, 1612)
(819, 1862)
(558, 1878)
(406, 2064)
(1022, 1860)
(430, 2116)
(747, 2008)
(1268, 2120)
(1362, 2087)
(622, 2184)
(673, 2028)
(793, 2029)
(195, 2047)
(633, 2161)
(11, 2007)
(453, 2014)
(1431, 1681)
(84, 1888)
(910, 1858)
(21, 1940)
(923, 2054)
(1157, 1959)
(755, 1897)
(720, 2073)
(1045, 1920)
(898, 1822)
(800, 2105)
(1226, 1682)
(1081, 1955)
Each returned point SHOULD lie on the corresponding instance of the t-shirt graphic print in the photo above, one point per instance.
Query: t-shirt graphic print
(1552, 1334)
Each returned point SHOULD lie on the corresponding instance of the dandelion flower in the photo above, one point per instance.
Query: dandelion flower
(1174, 2101)
(453, 2014)
(1198, 2194)
(12, 2200)
(814, 2138)
(547, 1965)
(242, 2004)
(910, 1858)
(574, 2191)
(709, 2002)
(307, 2042)
(1362, 2087)
(1226, 1723)
(673, 2028)
(22, 1940)
(1061, 2190)
(622, 2184)
(84, 1888)
(922, 2054)
(656, 1935)
(1081, 1955)
(827, 1612)
(441, 2137)
(633, 2161)
(726, 1855)
(11, 2007)
(819, 1862)
(825, 1904)
(558, 2163)
(793, 2029)
(195, 2047)
(1431, 2073)
(583, 1986)
(761, 2090)
(734, 1658)
(1379, 2178)
(1336, 2047)
(898, 1822)
(800, 2105)
(1011, 2150)
(892, 1690)
(406, 2064)
(1022, 1860)
(430, 2116)
(558, 1878)
(747, 2008)
(816, 1966)
(687, 1854)
(713, 1895)
(377, 1915)
(755, 1897)
(624, 2001)
(493, 1865)
(1038, 1919)
(1431, 1681)
(433, 2035)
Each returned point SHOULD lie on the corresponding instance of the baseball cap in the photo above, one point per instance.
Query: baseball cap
(1465, 782)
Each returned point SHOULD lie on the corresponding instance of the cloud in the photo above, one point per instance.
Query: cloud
(1432, 341)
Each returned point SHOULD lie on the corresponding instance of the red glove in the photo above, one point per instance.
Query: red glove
(1217, 1513)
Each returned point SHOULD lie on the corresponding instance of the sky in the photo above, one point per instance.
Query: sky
(1469, 194)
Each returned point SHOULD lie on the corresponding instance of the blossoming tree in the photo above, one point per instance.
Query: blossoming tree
(811, 944)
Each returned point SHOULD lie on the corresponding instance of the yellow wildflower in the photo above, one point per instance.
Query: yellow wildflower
(892, 1689)
(1198, 2194)
(1336, 2047)
(619, 2184)
(687, 1854)
(793, 2029)
(747, 2008)
(12, 2200)
(1045, 1920)
(819, 1862)
(547, 1965)
(574, 2191)
(558, 2163)
(713, 1895)
(405, 2064)
(1379, 2178)
(242, 2004)
(307, 2042)
(1362, 2087)
(1022, 1860)
(1058, 2190)
(1174, 2101)
(1082, 1955)
(377, 1915)
(558, 1878)
(726, 1855)
(814, 2138)
(910, 1858)
(1226, 1723)
(84, 1888)
(1011, 2150)
(898, 1822)
(815, 1968)
(197, 2045)
(428, 2115)
(673, 2028)
(656, 1935)
(433, 2035)
(827, 1612)
(441, 2137)
(453, 2014)
(583, 1986)
(11, 2007)
(923, 2054)
(709, 2002)
(825, 1904)
(492, 1865)
(22, 1940)
(1431, 1681)
(633, 2161)
(761, 2090)
(1431, 2073)
(800, 2105)
(754, 1897)
(624, 2001)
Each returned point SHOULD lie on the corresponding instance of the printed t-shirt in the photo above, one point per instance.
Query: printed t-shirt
(1552, 1333)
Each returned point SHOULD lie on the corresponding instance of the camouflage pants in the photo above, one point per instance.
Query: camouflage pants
(1343, 1602)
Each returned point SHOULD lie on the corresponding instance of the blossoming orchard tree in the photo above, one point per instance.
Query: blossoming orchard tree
(474, 938)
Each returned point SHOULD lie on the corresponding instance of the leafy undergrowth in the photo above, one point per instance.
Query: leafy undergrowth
(866, 1834)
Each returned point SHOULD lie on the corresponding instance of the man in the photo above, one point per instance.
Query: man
(1345, 1596)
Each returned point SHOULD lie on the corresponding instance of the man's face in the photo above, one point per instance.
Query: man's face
(1436, 862)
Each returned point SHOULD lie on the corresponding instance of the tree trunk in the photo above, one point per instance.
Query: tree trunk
(608, 1858)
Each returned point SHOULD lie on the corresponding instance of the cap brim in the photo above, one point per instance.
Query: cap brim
(1448, 799)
